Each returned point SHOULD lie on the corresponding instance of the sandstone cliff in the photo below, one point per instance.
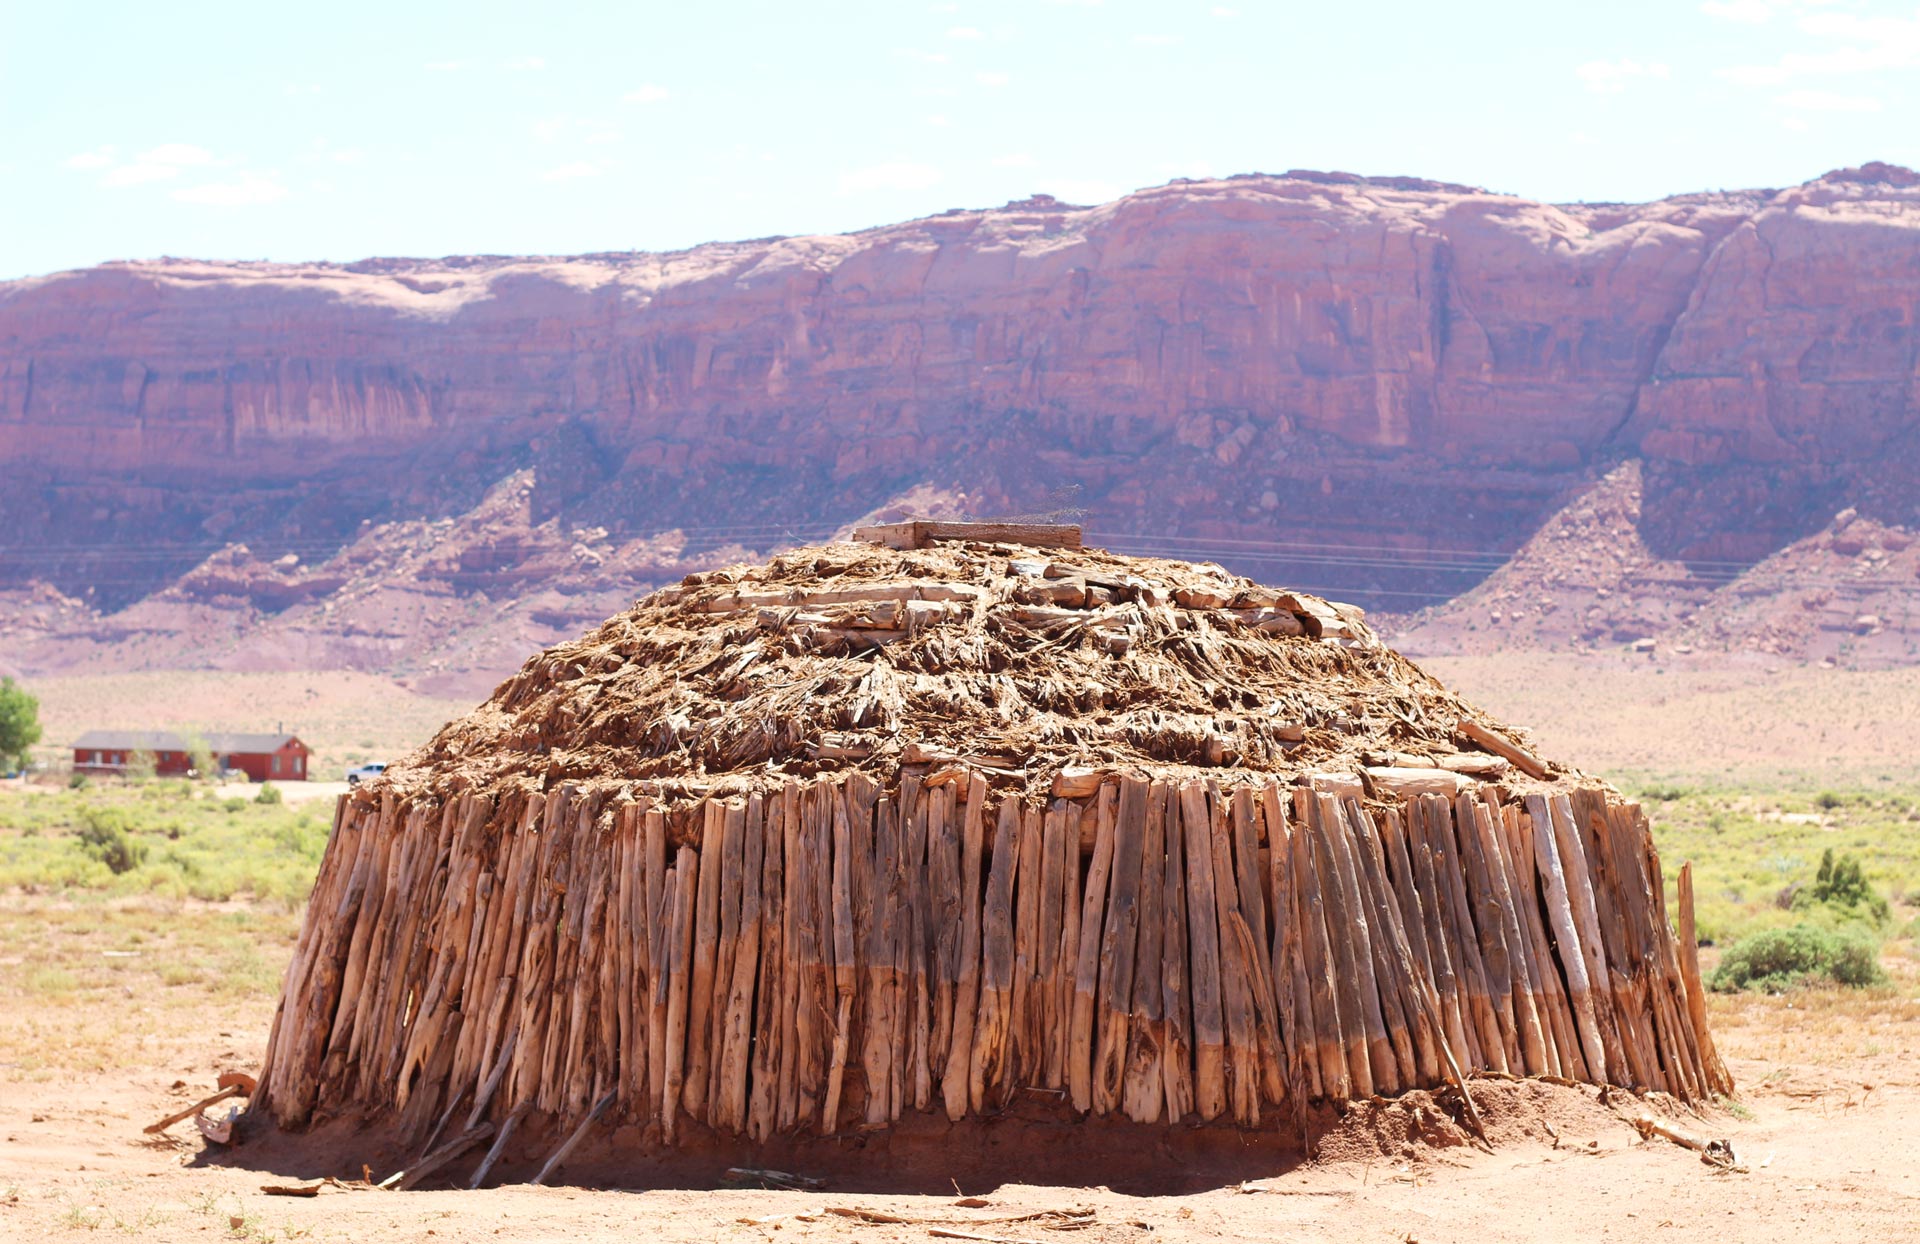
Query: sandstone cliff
(1376, 387)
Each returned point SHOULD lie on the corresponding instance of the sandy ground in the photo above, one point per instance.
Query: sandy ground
(1823, 1125)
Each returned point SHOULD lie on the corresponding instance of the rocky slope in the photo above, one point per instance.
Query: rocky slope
(1379, 388)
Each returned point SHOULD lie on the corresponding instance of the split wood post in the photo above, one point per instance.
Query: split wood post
(1505, 905)
(706, 949)
(956, 1085)
(1026, 1062)
(764, 1088)
(1580, 896)
(1086, 976)
(737, 1041)
(1119, 940)
(1053, 904)
(1176, 994)
(1289, 963)
(1383, 1056)
(992, 1029)
(686, 862)
(1325, 992)
(845, 968)
(1245, 811)
(1237, 973)
(1144, 1088)
(1566, 932)
(1495, 955)
(1484, 1030)
(1203, 942)
(1400, 981)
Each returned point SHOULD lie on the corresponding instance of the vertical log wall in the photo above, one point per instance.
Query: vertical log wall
(835, 954)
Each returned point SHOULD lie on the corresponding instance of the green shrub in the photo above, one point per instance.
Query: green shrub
(103, 836)
(1841, 884)
(1806, 954)
(79, 781)
(268, 793)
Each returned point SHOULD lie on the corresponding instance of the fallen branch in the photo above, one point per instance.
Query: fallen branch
(443, 1155)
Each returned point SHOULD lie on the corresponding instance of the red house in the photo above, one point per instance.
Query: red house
(262, 757)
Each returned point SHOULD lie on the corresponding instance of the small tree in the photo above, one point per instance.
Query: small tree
(19, 724)
(200, 757)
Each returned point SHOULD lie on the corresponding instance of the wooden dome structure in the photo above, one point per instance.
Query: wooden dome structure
(927, 822)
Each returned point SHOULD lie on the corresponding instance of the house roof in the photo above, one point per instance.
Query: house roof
(171, 741)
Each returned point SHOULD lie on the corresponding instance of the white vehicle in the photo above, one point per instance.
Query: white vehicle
(365, 773)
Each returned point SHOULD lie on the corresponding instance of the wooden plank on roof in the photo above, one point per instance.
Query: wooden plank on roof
(920, 533)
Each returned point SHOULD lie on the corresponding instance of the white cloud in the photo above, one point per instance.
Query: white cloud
(1610, 77)
(348, 155)
(528, 64)
(939, 120)
(1738, 10)
(99, 157)
(570, 172)
(1827, 101)
(925, 58)
(1018, 159)
(247, 190)
(1155, 41)
(1797, 124)
(1221, 10)
(601, 138)
(964, 33)
(156, 164)
(649, 93)
(990, 77)
(1871, 45)
(1076, 191)
(895, 176)
(444, 66)
(303, 88)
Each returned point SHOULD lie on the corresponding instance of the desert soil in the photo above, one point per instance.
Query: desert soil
(1829, 1085)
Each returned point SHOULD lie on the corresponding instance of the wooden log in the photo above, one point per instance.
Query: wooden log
(1054, 902)
(763, 1102)
(1500, 745)
(1490, 926)
(1406, 890)
(793, 964)
(1353, 951)
(1417, 1050)
(1566, 932)
(1119, 941)
(1067, 976)
(1237, 972)
(877, 1049)
(660, 953)
(1718, 1079)
(821, 1008)
(1580, 896)
(920, 944)
(572, 1142)
(845, 966)
(957, 1084)
(706, 950)
(1143, 1090)
(1246, 834)
(1505, 905)
(1087, 970)
(737, 1029)
(1629, 843)
(992, 1031)
(1289, 962)
(1642, 1062)
(893, 947)
(1669, 973)
(1517, 843)
(1484, 1033)
(1329, 1027)
(1176, 998)
(1028, 1027)
(680, 987)
(945, 896)
(498, 1147)
(1203, 941)
(732, 890)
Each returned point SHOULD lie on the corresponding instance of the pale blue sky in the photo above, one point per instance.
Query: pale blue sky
(339, 131)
